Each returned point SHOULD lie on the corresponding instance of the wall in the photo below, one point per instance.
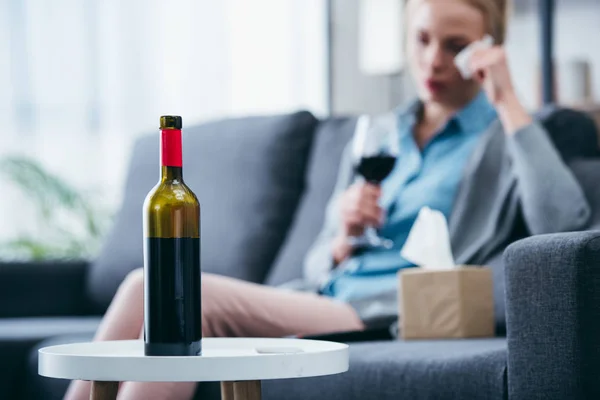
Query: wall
(353, 92)
(577, 26)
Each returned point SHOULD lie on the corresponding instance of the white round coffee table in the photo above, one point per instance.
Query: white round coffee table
(238, 363)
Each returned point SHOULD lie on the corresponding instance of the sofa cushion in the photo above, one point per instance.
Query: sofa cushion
(332, 135)
(440, 370)
(40, 387)
(462, 369)
(248, 174)
(451, 369)
(18, 336)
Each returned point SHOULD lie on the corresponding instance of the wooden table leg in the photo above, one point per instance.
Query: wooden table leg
(246, 390)
(104, 390)
(227, 391)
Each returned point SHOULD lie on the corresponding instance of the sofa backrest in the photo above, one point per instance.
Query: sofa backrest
(587, 173)
(263, 184)
(574, 133)
(331, 138)
(248, 174)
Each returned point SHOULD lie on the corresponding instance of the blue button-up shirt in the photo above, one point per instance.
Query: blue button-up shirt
(428, 177)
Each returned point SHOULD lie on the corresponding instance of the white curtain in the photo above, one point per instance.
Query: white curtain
(79, 80)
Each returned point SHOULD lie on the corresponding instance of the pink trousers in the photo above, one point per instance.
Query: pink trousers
(230, 308)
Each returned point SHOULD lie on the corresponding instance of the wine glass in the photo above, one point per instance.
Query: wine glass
(375, 147)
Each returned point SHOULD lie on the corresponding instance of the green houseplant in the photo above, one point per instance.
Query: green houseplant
(70, 223)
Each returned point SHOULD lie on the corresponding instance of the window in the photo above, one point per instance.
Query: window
(82, 79)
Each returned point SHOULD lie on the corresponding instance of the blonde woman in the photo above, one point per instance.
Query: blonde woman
(469, 149)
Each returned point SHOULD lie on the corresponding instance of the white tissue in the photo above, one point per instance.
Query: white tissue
(462, 59)
(428, 242)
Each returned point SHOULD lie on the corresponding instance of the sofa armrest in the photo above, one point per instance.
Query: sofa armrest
(553, 316)
(43, 289)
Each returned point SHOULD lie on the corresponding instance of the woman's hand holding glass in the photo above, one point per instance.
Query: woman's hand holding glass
(360, 209)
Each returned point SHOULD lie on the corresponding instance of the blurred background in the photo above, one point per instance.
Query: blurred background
(80, 80)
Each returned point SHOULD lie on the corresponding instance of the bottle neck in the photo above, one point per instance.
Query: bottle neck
(171, 174)
(170, 155)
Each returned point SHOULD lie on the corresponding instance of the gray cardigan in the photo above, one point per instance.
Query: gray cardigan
(504, 173)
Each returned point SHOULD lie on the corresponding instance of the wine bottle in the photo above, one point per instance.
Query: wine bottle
(172, 301)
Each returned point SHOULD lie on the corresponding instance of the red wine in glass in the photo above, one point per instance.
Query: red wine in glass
(376, 168)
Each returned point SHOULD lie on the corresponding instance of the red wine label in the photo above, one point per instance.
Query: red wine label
(171, 148)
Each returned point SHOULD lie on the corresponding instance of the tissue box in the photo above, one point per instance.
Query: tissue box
(441, 304)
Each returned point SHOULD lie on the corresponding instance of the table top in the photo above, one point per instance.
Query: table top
(222, 359)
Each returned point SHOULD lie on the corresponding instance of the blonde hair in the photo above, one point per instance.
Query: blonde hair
(495, 12)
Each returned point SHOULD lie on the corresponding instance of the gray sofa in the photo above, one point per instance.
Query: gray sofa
(263, 183)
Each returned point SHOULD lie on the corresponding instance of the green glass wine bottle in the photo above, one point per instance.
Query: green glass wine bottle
(172, 300)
